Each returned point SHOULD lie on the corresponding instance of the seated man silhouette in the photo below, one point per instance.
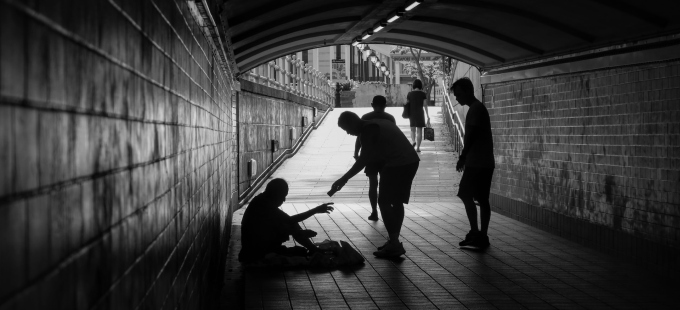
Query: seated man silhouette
(265, 227)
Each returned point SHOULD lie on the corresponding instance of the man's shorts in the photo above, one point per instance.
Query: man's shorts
(372, 169)
(395, 182)
(476, 182)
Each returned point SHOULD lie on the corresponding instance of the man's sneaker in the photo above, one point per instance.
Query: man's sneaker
(384, 245)
(480, 241)
(391, 250)
(469, 238)
(373, 216)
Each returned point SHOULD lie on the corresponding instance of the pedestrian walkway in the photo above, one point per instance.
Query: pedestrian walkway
(524, 268)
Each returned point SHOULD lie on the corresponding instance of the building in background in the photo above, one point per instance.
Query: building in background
(342, 63)
(336, 66)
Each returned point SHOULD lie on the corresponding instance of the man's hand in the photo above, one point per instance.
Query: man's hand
(460, 166)
(324, 208)
(337, 185)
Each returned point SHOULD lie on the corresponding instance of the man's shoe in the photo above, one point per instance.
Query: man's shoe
(390, 251)
(480, 241)
(384, 245)
(469, 238)
(373, 216)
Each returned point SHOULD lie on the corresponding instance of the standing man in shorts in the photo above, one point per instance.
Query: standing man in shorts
(478, 163)
(379, 103)
(383, 144)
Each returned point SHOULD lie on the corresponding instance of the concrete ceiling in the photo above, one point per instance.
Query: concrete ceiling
(485, 33)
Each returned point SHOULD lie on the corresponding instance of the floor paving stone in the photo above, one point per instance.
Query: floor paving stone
(525, 268)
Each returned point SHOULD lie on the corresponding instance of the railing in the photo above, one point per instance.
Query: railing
(453, 121)
(259, 181)
(294, 76)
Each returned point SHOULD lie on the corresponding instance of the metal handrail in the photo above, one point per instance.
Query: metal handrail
(294, 76)
(455, 121)
(244, 198)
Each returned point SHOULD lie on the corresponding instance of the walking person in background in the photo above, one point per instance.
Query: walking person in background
(379, 103)
(383, 143)
(477, 162)
(417, 100)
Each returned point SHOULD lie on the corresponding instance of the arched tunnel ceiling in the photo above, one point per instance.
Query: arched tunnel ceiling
(485, 33)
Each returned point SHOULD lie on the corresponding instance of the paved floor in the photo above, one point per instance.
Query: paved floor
(524, 267)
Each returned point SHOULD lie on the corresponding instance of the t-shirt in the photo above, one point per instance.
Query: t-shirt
(480, 151)
(264, 228)
(378, 115)
(383, 142)
(375, 115)
(416, 100)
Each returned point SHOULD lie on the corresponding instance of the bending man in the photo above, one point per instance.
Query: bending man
(379, 103)
(384, 144)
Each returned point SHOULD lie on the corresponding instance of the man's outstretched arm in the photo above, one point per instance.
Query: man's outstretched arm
(368, 145)
(324, 208)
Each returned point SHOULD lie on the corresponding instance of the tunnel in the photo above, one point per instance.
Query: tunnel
(133, 134)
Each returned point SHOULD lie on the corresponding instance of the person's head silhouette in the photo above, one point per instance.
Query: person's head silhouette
(464, 91)
(379, 103)
(350, 122)
(417, 84)
(276, 191)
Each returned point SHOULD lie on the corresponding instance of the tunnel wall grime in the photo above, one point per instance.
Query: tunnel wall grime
(594, 157)
(266, 114)
(117, 156)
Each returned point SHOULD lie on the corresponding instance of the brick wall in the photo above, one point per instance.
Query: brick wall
(116, 148)
(594, 157)
(267, 114)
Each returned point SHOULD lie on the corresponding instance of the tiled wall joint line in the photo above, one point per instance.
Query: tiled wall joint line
(62, 184)
(168, 56)
(96, 239)
(47, 106)
(78, 40)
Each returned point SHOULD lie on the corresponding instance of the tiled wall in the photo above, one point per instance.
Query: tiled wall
(267, 114)
(116, 150)
(594, 156)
